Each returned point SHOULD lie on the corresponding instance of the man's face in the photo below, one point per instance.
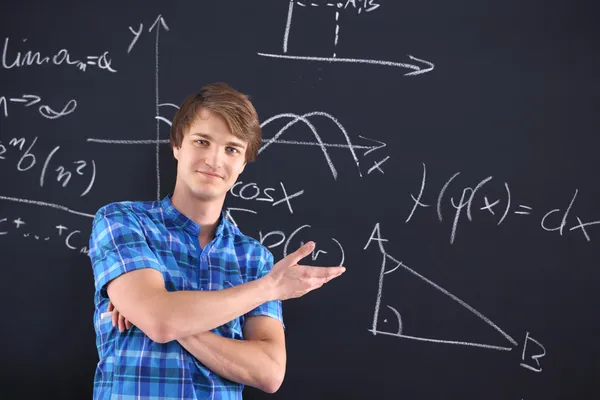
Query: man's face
(210, 157)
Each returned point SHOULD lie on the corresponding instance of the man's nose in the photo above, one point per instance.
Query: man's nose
(215, 157)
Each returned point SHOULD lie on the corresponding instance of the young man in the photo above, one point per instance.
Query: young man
(202, 301)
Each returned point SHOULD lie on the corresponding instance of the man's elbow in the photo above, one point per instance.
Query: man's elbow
(271, 381)
(158, 328)
(162, 329)
(159, 332)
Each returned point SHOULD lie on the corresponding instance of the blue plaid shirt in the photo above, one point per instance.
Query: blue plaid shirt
(131, 235)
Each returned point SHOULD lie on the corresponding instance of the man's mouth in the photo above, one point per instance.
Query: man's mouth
(210, 174)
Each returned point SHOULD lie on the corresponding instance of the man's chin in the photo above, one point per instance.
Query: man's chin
(206, 195)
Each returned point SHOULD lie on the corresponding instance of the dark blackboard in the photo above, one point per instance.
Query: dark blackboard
(446, 151)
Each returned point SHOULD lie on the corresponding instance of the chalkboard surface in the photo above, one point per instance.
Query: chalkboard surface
(445, 152)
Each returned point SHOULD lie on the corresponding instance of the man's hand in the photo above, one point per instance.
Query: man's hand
(291, 280)
(118, 319)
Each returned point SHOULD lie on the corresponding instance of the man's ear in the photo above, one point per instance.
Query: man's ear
(176, 152)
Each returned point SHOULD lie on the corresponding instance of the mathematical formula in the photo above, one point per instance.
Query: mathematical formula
(554, 220)
(58, 234)
(62, 174)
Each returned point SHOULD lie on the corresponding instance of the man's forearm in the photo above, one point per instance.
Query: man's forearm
(167, 316)
(250, 362)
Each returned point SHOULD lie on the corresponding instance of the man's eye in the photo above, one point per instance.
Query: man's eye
(200, 141)
(232, 149)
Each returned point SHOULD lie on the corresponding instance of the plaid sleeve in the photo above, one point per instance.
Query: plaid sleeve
(117, 246)
(273, 308)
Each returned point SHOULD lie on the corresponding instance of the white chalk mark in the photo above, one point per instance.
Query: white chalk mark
(36, 99)
(262, 238)
(295, 119)
(523, 212)
(311, 127)
(69, 238)
(316, 255)
(16, 100)
(382, 273)
(44, 204)
(288, 25)
(337, 30)
(43, 174)
(341, 249)
(459, 301)
(535, 357)
(49, 113)
(441, 195)
(417, 70)
(135, 38)
(157, 122)
(3, 101)
(422, 339)
(371, 148)
(163, 23)
(104, 62)
(582, 227)
(337, 145)
(163, 119)
(398, 317)
(398, 265)
(228, 213)
(379, 290)
(489, 206)
(377, 164)
(169, 105)
(287, 198)
(566, 214)
(507, 203)
(372, 6)
(111, 141)
(288, 241)
(470, 202)
(459, 208)
(91, 181)
(418, 200)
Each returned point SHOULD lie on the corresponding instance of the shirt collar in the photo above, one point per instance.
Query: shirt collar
(177, 218)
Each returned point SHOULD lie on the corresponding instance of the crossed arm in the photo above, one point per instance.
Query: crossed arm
(258, 361)
(140, 297)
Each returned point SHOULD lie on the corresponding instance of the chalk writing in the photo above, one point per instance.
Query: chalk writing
(45, 111)
(62, 57)
(251, 191)
(533, 357)
(464, 205)
(60, 173)
(20, 227)
(421, 67)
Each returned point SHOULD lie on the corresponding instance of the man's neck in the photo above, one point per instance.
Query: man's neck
(204, 213)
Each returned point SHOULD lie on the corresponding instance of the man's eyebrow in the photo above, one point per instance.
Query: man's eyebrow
(207, 136)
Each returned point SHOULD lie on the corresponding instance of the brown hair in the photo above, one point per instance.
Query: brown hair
(233, 106)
